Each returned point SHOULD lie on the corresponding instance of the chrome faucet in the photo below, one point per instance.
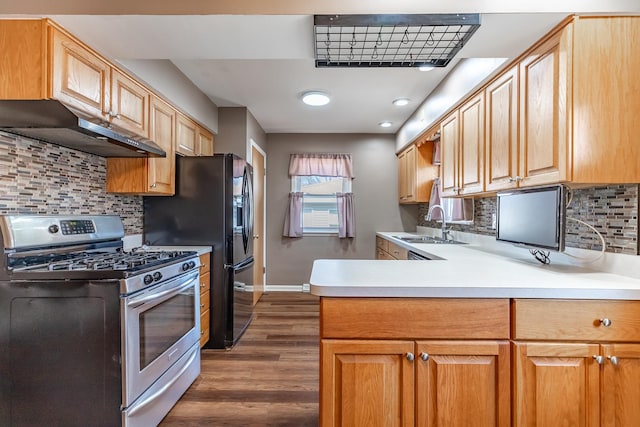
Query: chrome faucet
(445, 232)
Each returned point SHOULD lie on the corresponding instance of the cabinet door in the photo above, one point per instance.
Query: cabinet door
(471, 170)
(186, 136)
(162, 169)
(463, 383)
(79, 79)
(544, 76)
(502, 132)
(402, 176)
(449, 139)
(129, 104)
(366, 383)
(205, 142)
(556, 385)
(620, 385)
(410, 171)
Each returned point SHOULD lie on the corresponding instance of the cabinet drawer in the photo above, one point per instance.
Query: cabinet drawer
(204, 327)
(382, 244)
(205, 263)
(397, 252)
(205, 302)
(414, 318)
(205, 282)
(382, 255)
(576, 320)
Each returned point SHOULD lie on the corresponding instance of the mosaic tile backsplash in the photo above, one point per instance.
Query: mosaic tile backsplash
(612, 210)
(43, 178)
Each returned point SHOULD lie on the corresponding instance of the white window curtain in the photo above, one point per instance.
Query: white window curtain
(321, 164)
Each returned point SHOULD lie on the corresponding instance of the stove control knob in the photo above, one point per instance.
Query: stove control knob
(53, 229)
(157, 276)
(148, 279)
(185, 266)
(192, 264)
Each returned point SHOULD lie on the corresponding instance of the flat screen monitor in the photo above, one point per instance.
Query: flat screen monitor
(533, 217)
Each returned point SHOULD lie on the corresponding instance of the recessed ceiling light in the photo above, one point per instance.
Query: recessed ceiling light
(385, 124)
(401, 102)
(315, 98)
(426, 67)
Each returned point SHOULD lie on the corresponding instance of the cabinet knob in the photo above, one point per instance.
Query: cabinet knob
(201, 305)
(201, 332)
(202, 285)
(613, 359)
(424, 356)
(410, 357)
(599, 359)
(605, 322)
(154, 185)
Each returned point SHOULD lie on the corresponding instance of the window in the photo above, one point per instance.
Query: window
(319, 202)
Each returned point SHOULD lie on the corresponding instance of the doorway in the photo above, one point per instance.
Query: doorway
(258, 161)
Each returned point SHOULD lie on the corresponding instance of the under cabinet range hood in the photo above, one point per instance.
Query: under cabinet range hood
(51, 121)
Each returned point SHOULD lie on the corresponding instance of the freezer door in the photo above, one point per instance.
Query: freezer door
(242, 298)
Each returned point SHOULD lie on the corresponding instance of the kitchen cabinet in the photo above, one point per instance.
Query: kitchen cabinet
(148, 175)
(590, 381)
(462, 139)
(501, 140)
(84, 81)
(192, 139)
(416, 173)
(388, 250)
(205, 298)
(453, 375)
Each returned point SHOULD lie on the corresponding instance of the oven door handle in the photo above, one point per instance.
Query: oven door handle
(168, 293)
(138, 407)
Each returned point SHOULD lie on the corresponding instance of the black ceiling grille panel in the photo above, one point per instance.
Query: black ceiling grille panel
(391, 40)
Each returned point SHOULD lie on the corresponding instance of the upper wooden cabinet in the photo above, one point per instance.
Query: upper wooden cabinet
(558, 113)
(462, 139)
(148, 175)
(416, 173)
(501, 125)
(192, 139)
(129, 104)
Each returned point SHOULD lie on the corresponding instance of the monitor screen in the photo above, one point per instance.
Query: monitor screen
(532, 217)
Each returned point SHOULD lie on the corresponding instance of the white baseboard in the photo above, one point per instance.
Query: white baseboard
(284, 288)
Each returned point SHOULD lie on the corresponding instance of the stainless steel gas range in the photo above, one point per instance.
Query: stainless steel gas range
(90, 334)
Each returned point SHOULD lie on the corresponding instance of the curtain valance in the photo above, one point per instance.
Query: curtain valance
(321, 164)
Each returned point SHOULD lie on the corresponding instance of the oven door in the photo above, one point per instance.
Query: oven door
(160, 325)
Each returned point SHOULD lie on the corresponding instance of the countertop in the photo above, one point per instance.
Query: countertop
(464, 271)
(201, 250)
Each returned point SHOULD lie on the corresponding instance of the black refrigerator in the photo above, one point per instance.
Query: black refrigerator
(213, 206)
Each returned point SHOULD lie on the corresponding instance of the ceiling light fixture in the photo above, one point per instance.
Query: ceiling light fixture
(385, 124)
(426, 67)
(315, 98)
(401, 102)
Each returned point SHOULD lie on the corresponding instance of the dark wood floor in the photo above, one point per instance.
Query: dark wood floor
(270, 378)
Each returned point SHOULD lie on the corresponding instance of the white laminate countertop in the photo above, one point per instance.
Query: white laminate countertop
(201, 250)
(464, 272)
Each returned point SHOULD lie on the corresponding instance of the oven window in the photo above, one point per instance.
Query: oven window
(163, 325)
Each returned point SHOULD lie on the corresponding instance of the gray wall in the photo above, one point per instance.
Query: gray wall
(236, 128)
(375, 188)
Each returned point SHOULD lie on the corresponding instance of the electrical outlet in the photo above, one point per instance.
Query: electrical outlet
(493, 221)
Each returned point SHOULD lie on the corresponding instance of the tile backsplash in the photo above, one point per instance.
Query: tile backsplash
(612, 210)
(41, 178)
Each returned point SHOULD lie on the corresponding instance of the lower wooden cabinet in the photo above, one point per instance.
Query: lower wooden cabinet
(205, 298)
(440, 383)
(389, 251)
(367, 383)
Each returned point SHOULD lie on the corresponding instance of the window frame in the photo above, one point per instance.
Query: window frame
(296, 187)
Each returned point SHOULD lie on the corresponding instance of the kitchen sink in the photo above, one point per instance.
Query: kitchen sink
(428, 239)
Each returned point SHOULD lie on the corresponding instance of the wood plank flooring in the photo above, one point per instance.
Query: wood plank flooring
(269, 379)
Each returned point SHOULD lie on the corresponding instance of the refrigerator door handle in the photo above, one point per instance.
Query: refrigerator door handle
(243, 265)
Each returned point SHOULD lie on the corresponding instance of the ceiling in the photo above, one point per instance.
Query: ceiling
(265, 62)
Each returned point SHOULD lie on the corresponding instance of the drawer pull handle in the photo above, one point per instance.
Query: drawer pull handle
(410, 357)
(424, 356)
(605, 322)
(599, 359)
(613, 359)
